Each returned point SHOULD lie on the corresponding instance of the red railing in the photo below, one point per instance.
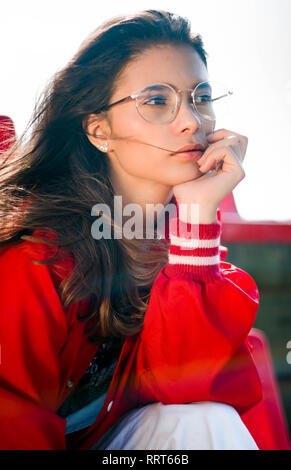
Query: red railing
(237, 230)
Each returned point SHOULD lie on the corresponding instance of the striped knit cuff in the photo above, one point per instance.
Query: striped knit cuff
(194, 250)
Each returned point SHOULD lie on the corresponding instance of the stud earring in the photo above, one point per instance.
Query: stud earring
(103, 148)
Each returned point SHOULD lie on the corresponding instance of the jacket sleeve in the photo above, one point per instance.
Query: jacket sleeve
(194, 345)
(33, 330)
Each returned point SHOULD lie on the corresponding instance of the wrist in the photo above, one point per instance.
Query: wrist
(194, 250)
(193, 213)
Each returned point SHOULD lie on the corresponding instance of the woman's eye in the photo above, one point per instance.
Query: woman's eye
(203, 99)
(157, 100)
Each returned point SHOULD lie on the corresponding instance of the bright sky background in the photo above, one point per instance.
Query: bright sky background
(249, 49)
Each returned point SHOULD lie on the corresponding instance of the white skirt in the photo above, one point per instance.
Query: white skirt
(194, 426)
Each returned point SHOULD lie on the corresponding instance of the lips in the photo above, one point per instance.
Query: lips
(189, 148)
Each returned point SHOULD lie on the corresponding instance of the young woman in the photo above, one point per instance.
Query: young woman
(115, 341)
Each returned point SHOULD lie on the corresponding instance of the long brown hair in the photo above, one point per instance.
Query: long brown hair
(53, 176)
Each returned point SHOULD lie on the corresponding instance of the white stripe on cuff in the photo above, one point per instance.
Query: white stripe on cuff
(194, 260)
(194, 243)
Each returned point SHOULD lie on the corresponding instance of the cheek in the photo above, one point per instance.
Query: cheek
(156, 166)
(143, 161)
(138, 160)
(130, 136)
(126, 122)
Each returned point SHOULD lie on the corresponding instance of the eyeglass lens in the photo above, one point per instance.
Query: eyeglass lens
(158, 103)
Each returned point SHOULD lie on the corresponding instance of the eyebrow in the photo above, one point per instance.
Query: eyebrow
(194, 85)
(203, 85)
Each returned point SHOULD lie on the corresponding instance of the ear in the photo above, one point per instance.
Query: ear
(97, 128)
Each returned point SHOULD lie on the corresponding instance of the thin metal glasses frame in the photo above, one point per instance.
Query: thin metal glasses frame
(177, 92)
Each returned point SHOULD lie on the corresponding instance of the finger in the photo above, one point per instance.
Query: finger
(231, 162)
(222, 134)
(230, 141)
(239, 143)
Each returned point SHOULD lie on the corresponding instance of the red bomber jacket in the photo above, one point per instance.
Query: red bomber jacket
(193, 346)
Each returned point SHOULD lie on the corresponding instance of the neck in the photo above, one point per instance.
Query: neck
(144, 193)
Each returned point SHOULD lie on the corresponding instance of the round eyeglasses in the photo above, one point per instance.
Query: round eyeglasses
(160, 103)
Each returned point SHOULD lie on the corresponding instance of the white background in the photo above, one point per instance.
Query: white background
(249, 49)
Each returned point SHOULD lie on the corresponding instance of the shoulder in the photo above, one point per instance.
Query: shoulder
(37, 268)
(31, 310)
(30, 298)
(28, 257)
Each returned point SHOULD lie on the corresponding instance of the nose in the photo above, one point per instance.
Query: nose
(187, 119)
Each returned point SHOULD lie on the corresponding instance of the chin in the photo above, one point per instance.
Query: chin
(187, 174)
(178, 174)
